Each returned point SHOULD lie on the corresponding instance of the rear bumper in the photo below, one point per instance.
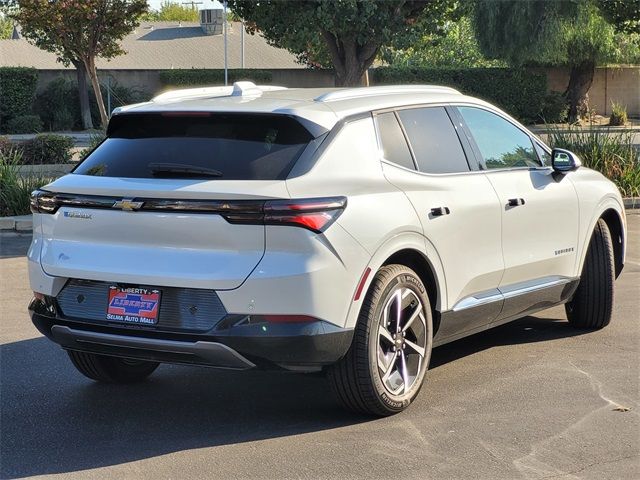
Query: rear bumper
(294, 346)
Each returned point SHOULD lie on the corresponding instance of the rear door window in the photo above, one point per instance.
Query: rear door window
(198, 145)
(434, 141)
(394, 145)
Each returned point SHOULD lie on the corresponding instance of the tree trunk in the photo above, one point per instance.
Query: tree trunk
(577, 91)
(351, 74)
(83, 93)
(350, 60)
(93, 75)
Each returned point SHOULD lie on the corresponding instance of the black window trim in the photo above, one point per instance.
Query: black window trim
(471, 158)
(544, 147)
(483, 165)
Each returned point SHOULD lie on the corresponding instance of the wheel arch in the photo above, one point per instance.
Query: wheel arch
(615, 224)
(417, 262)
(416, 252)
(612, 214)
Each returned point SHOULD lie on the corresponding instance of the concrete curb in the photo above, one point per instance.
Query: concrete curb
(19, 223)
(631, 203)
(24, 223)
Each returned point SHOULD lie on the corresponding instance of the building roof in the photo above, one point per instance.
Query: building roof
(320, 108)
(165, 45)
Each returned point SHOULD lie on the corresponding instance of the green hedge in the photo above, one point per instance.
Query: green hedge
(43, 149)
(24, 124)
(17, 91)
(201, 77)
(519, 92)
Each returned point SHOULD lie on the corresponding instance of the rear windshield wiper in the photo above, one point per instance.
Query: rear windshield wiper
(178, 169)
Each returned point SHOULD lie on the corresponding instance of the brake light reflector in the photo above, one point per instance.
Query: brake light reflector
(361, 285)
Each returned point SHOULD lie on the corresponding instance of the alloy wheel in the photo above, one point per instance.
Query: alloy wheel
(402, 341)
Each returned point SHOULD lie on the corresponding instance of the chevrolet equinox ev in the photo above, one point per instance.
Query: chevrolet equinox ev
(347, 231)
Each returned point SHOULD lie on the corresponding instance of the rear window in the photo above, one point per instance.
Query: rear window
(198, 145)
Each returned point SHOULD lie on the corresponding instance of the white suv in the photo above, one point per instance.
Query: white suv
(349, 231)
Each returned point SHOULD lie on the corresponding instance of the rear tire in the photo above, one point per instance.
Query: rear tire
(592, 304)
(384, 369)
(105, 369)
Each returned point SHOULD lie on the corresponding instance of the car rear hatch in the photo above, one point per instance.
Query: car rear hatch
(158, 202)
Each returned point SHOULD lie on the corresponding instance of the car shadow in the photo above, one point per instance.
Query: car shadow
(54, 420)
(525, 330)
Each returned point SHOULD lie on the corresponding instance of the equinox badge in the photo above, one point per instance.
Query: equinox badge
(127, 204)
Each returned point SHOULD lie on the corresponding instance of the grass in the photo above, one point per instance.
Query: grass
(608, 151)
(15, 188)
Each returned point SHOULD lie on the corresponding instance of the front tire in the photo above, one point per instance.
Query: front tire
(384, 369)
(105, 369)
(592, 304)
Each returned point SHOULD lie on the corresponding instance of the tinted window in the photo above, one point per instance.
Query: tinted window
(502, 144)
(434, 140)
(394, 145)
(224, 146)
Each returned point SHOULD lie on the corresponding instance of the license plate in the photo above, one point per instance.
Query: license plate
(133, 305)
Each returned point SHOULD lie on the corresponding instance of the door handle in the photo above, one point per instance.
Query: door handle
(515, 202)
(438, 212)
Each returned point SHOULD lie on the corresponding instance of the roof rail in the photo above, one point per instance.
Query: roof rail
(239, 89)
(349, 93)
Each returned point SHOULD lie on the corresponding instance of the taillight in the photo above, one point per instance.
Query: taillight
(315, 214)
(43, 202)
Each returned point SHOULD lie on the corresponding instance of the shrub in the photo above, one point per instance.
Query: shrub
(5, 144)
(24, 124)
(207, 77)
(15, 188)
(610, 152)
(95, 140)
(518, 91)
(554, 108)
(17, 91)
(59, 106)
(618, 115)
(47, 148)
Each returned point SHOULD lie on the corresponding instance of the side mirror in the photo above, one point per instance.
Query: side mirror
(564, 161)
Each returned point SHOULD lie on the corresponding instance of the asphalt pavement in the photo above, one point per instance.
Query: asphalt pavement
(532, 399)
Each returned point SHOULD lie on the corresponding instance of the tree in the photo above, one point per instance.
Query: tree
(172, 12)
(456, 47)
(6, 23)
(525, 32)
(348, 32)
(79, 31)
(6, 27)
(623, 14)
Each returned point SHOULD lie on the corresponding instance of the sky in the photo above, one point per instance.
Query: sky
(155, 4)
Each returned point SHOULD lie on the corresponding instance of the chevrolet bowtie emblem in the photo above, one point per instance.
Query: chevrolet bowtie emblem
(127, 204)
